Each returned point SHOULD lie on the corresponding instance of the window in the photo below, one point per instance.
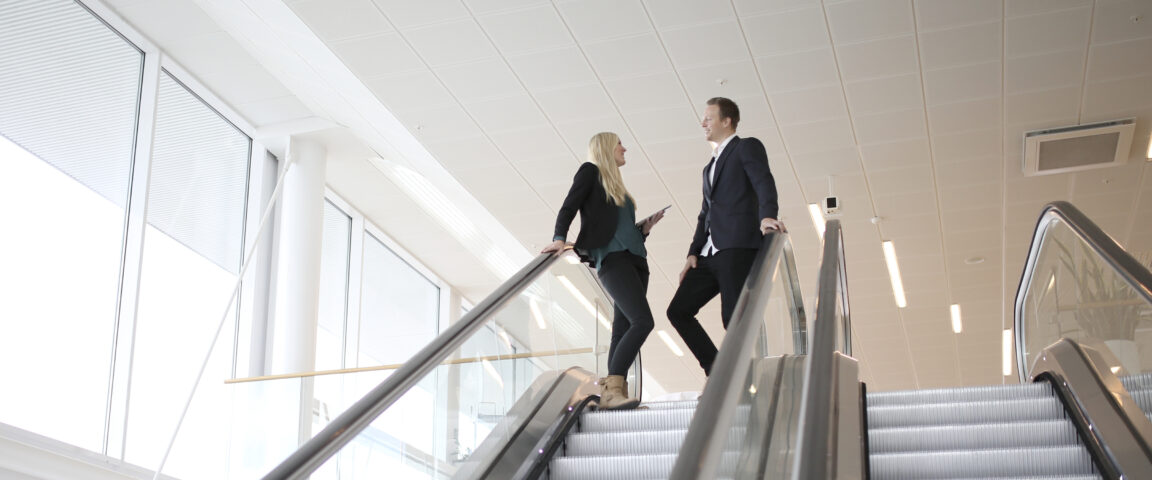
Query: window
(400, 308)
(191, 259)
(334, 257)
(69, 89)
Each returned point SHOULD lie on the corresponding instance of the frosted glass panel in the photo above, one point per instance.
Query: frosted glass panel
(399, 307)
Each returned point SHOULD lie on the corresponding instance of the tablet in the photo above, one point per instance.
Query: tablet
(645, 219)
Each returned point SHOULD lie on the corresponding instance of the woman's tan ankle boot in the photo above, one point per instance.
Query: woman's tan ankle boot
(613, 395)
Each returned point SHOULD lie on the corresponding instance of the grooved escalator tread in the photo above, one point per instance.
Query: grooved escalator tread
(1044, 433)
(1007, 462)
(964, 413)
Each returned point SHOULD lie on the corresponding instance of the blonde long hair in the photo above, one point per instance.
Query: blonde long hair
(602, 153)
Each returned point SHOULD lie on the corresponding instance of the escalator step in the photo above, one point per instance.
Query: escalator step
(1143, 398)
(1003, 411)
(1048, 433)
(965, 394)
(1142, 381)
(637, 420)
(1013, 463)
(671, 405)
(634, 443)
(619, 467)
(625, 443)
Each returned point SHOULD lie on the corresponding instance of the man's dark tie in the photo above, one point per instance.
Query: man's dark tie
(708, 179)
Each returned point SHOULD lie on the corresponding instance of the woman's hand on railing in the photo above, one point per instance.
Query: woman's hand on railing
(555, 246)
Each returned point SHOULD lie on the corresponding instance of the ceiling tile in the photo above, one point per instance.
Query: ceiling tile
(671, 13)
(884, 94)
(868, 20)
(667, 124)
(728, 80)
(578, 133)
(440, 123)
(961, 46)
(466, 153)
(978, 170)
(564, 66)
(940, 14)
(595, 20)
(210, 53)
(1113, 21)
(405, 13)
(481, 7)
(1042, 106)
(1017, 8)
(623, 57)
(480, 80)
(879, 58)
(449, 43)
(169, 21)
(536, 142)
(961, 197)
(685, 153)
(245, 84)
(753, 7)
(508, 113)
(889, 126)
(790, 31)
(960, 84)
(905, 204)
(410, 91)
(798, 70)
(965, 116)
(1048, 32)
(1041, 72)
(575, 103)
(549, 171)
(818, 136)
(803, 106)
(965, 146)
(901, 181)
(521, 31)
(646, 92)
(844, 161)
(895, 155)
(1118, 95)
(910, 226)
(339, 19)
(724, 45)
(377, 56)
(1124, 59)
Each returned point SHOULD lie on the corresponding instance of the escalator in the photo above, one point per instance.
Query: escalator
(786, 401)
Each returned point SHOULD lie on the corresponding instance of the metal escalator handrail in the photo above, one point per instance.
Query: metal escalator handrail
(705, 441)
(814, 444)
(349, 424)
(1122, 263)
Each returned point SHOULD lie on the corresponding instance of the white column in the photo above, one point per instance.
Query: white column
(298, 260)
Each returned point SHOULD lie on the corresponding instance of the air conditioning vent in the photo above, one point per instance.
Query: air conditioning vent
(1080, 147)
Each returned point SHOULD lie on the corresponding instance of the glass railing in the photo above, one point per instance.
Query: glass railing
(425, 418)
(731, 431)
(1078, 283)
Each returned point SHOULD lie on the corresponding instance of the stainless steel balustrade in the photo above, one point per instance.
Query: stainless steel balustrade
(344, 428)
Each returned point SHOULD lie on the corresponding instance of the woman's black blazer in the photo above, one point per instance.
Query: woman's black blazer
(598, 216)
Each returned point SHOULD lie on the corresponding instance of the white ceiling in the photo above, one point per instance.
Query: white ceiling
(917, 109)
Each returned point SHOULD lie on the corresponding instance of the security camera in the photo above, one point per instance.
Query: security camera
(831, 206)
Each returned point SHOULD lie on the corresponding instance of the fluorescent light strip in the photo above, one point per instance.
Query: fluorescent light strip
(1149, 147)
(671, 344)
(492, 372)
(894, 274)
(1007, 352)
(584, 301)
(504, 336)
(535, 308)
(817, 218)
(957, 325)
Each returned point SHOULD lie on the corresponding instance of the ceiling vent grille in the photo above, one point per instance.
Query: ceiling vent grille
(1080, 147)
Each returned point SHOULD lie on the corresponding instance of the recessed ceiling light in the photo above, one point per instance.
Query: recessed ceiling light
(974, 260)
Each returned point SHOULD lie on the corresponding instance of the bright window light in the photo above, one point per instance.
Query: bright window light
(1115, 369)
(671, 344)
(1149, 155)
(492, 372)
(894, 274)
(957, 326)
(584, 301)
(817, 218)
(535, 307)
(1007, 352)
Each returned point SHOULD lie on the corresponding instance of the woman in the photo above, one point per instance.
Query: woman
(612, 242)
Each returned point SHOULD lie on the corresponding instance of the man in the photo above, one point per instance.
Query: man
(739, 208)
